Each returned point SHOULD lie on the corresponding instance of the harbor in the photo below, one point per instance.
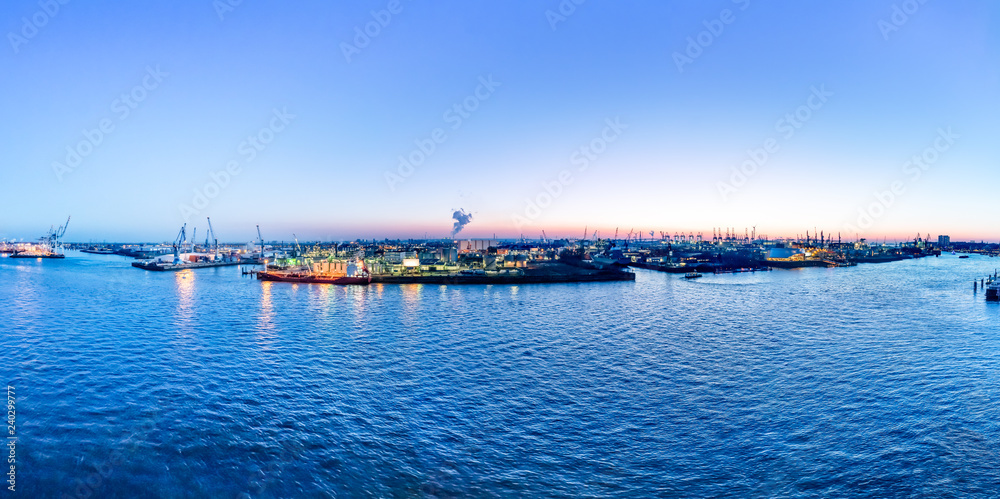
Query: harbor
(502, 261)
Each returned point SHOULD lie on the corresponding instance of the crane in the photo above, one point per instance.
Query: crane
(545, 239)
(178, 241)
(56, 234)
(261, 239)
(194, 238)
(61, 231)
(298, 249)
(215, 240)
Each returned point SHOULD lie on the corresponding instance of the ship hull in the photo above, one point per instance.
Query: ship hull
(28, 255)
(313, 279)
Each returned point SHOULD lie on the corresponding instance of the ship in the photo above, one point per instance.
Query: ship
(98, 251)
(310, 278)
(33, 253)
(331, 272)
(993, 289)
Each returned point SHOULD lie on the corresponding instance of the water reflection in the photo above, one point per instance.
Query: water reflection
(359, 300)
(265, 317)
(184, 315)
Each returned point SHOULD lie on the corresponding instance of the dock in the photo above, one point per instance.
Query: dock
(163, 267)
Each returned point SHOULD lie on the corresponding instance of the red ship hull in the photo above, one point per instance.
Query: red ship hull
(312, 279)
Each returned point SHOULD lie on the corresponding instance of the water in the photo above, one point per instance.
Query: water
(877, 380)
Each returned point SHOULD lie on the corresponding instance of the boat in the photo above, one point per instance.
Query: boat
(692, 275)
(993, 289)
(98, 251)
(311, 278)
(964, 256)
(36, 254)
(330, 272)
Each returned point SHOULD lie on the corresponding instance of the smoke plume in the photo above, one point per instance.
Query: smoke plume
(461, 220)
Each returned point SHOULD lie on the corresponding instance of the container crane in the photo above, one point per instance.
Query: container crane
(215, 240)
(298, 249)
(178, 242)
(56, 234)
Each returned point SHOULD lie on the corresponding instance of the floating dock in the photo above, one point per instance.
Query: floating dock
(163, 267)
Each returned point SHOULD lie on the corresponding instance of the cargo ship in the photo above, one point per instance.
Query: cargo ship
(335, 272)
(32, 253)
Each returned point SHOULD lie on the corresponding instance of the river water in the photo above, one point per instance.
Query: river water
(877, 380)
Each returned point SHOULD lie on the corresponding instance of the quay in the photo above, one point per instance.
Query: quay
(163, 267)
(549, 272)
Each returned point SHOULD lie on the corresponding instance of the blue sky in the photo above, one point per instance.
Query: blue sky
(600, 115)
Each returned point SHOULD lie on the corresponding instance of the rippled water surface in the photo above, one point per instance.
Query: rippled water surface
(876, 380)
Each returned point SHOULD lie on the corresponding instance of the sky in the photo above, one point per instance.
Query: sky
(375, 119)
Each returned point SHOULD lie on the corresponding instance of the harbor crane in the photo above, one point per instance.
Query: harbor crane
(215, 240)
(52, 238)
(261, 239)
(298, 249)
(194, 238)
(178, 242)
(545, 239)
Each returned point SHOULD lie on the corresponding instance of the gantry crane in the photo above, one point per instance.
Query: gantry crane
(178, 241)
(215, 239)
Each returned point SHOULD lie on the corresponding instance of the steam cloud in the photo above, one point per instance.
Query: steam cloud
(461, 220)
